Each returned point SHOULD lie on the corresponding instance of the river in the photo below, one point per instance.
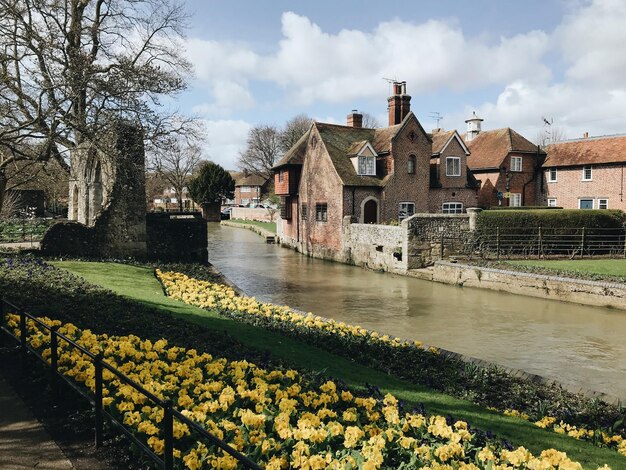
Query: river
(579, 345)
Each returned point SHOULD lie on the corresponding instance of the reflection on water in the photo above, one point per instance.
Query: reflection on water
(572, 343)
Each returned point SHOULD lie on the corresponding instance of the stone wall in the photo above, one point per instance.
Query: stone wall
(372, 246)
(598, 293)
(177, 237)
(245, 213)
(110, 214)
(427, 232)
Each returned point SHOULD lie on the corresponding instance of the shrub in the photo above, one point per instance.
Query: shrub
(559, 218)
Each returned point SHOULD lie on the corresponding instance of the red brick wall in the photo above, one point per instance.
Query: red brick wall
(521, 182)
(401, 185)
(360, 195)
(436, 198)
(320, 183)
(289, 184)
(608, 182)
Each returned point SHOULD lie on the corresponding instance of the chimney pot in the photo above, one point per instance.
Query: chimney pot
(586, 135)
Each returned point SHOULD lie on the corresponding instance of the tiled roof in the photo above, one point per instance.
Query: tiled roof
(295, 155)
(594, 150)
(440, 139)
(339, 140)
(250, 180)
(489, 148)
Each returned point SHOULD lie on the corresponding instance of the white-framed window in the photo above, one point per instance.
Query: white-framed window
(407, 209)
(587, 173)
(551, 202)
(452, 208)
(515, 200)
(516, 163)
(245, 189)
(281, 176)
(585, 203)
(453, 166)
(245, 201)
(603, 203)
(552, 175)
(367, 166)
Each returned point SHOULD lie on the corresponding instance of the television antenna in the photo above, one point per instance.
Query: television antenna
(436, 115)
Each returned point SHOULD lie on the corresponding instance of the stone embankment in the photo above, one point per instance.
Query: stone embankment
(270, 237)
(581, 291)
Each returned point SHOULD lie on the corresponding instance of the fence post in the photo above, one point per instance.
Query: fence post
(22, 330)
(497, 242)
(582, 243)
(539, 255)
(54, 358)
(97, 404)
(168, 436)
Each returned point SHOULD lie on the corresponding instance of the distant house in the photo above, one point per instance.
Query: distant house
(372, 175)
(585, 173)
(249, 189)
(168, 201)
(507, 164)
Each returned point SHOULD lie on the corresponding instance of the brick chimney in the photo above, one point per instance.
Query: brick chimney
(399, 104)
(355, 119)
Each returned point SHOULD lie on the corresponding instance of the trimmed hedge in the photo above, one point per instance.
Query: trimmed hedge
(559, 218)
(522, 208)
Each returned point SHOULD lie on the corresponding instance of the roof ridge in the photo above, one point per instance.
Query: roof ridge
(584, 139)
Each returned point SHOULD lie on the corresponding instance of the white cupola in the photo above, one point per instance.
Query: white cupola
(473, 127)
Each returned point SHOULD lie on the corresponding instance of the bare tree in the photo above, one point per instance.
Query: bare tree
(370, 122)
(262, 150)
(295, 128)
(175, 164)
(69, 69)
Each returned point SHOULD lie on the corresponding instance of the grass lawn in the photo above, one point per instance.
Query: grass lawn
(270, 226)
(602, 267)
(140, 284)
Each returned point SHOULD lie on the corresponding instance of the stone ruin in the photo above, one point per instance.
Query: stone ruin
(107, 208)
(107, 200)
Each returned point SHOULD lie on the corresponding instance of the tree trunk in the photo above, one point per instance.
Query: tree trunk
(211, 212)
(3, 187)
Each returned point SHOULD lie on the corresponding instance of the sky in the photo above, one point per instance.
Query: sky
(513, 63)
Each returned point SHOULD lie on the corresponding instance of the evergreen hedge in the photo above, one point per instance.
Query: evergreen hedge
(558, 218)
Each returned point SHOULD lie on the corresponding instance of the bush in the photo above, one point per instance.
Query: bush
(559, 218)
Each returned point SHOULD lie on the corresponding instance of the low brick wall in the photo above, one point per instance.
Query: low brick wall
(374, 246)
(245, 213)
(596, 293)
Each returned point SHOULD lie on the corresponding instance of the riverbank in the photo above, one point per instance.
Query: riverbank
(268, 235)
(567, 289)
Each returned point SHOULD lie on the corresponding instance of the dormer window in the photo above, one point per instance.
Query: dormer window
(367, 166)
(364, 161)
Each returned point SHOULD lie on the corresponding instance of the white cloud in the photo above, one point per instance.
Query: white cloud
(225, 139)
(312, 65)
(591, 97)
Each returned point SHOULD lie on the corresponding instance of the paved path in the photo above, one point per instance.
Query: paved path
(24, 443)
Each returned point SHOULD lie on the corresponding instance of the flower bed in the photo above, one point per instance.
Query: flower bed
(275, 416)
(588, 419)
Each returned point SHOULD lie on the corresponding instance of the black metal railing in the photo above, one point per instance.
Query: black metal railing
(100, 413)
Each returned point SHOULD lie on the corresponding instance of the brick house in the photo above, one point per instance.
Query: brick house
(585, 173)
(249, 189)
(372, 175)
(507, 164)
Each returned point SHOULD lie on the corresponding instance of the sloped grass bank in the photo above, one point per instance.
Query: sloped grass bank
(138, 283)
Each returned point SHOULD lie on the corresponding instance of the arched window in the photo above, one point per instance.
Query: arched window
(411, 164)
